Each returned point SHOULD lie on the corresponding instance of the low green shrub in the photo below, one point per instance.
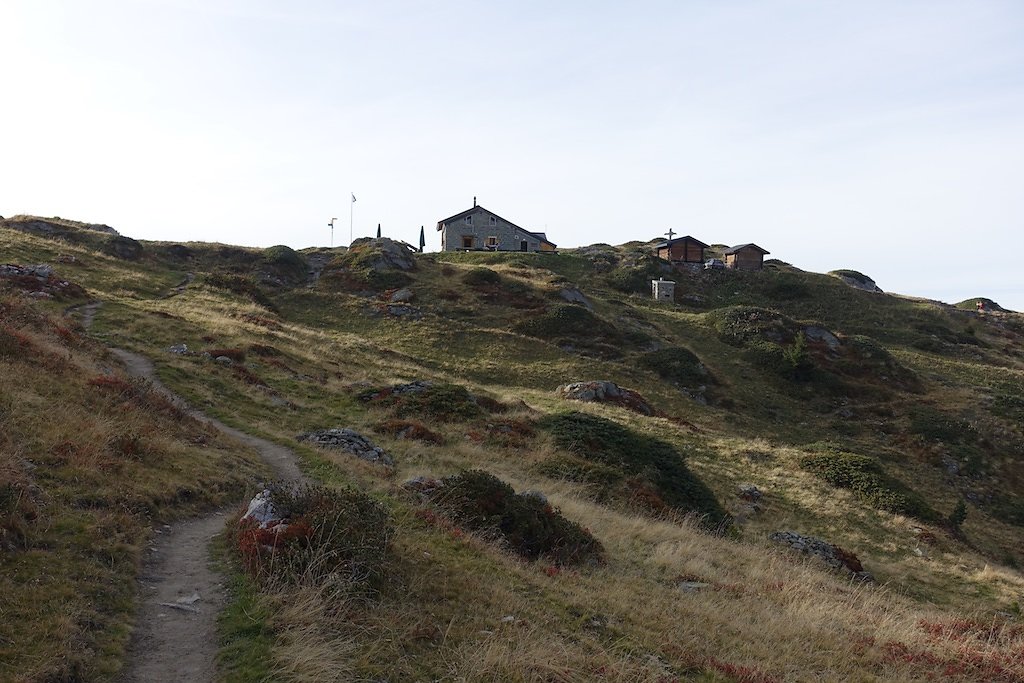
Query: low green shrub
(528, 525)
(561, 320)
(480, 276)
(864, 476)
(242, 285)
(286, 262)
(435, 402)
(864, 357)
(936, 425)
(677, 364)
(788, 287)
(637, 457)
(740, 325)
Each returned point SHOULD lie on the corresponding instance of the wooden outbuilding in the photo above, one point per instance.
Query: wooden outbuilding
(681, 250)
(745, 257)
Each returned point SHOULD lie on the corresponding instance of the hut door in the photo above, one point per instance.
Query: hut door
(524, 246)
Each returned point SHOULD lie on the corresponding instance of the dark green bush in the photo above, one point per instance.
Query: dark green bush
(437, 403)
(935, 425)
(959, 514)
(574, 468)
(479, 276)
(740, 325)
(864, 476)
(788, 287)
(286, 261)
(865, 357)
(242, 285)
(677, 364)
(565, 320)
(631, 280)
(530, 527)
(636, 456)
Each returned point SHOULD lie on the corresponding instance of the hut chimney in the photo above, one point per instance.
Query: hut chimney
(474, 201)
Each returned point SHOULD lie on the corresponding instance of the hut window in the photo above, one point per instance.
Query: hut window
(469, 220)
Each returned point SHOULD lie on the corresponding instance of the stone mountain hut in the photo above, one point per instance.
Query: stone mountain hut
(478, 229)
(745, 257)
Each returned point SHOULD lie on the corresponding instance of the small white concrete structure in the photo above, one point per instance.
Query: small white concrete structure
(663, 290)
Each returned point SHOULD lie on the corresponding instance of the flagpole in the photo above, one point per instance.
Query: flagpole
(351, 208)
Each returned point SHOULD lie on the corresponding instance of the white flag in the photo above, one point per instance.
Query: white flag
(353, 198)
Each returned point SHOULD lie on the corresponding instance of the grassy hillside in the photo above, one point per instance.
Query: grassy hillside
(887, 426)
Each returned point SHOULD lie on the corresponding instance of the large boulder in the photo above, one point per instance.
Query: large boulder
(603, 391)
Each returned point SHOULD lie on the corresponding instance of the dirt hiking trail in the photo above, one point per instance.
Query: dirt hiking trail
(175, 637)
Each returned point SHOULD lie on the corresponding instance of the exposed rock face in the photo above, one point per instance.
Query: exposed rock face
(832, 555)
(575, 296)
(813, 333)
(861, 282)
(349, 441)
(393, 255)
(603, 391)
(402, 296)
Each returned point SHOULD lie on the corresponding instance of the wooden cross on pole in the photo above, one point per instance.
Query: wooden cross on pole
(670, 233)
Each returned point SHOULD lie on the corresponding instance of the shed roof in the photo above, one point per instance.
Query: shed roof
(459, 216)
(669, 243)
(741, 247)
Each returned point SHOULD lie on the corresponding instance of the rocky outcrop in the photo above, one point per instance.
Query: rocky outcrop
(39, 281)
(856, 280)
(53, 227)
(820, 335)
(832, 555)
(603, 391)
(389, 254)
(350, 442)
(574, 296)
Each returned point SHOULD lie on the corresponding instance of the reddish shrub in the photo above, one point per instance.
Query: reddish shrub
(14, 342)
(263, 351)
(113, 384)
(408, 429)
(739, 673)
(849, 560)
(323, 531)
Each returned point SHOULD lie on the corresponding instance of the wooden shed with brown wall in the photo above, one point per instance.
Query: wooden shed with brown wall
(681, 249)
(745, 257)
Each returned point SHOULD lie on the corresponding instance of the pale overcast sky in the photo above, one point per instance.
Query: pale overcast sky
(883, 136)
